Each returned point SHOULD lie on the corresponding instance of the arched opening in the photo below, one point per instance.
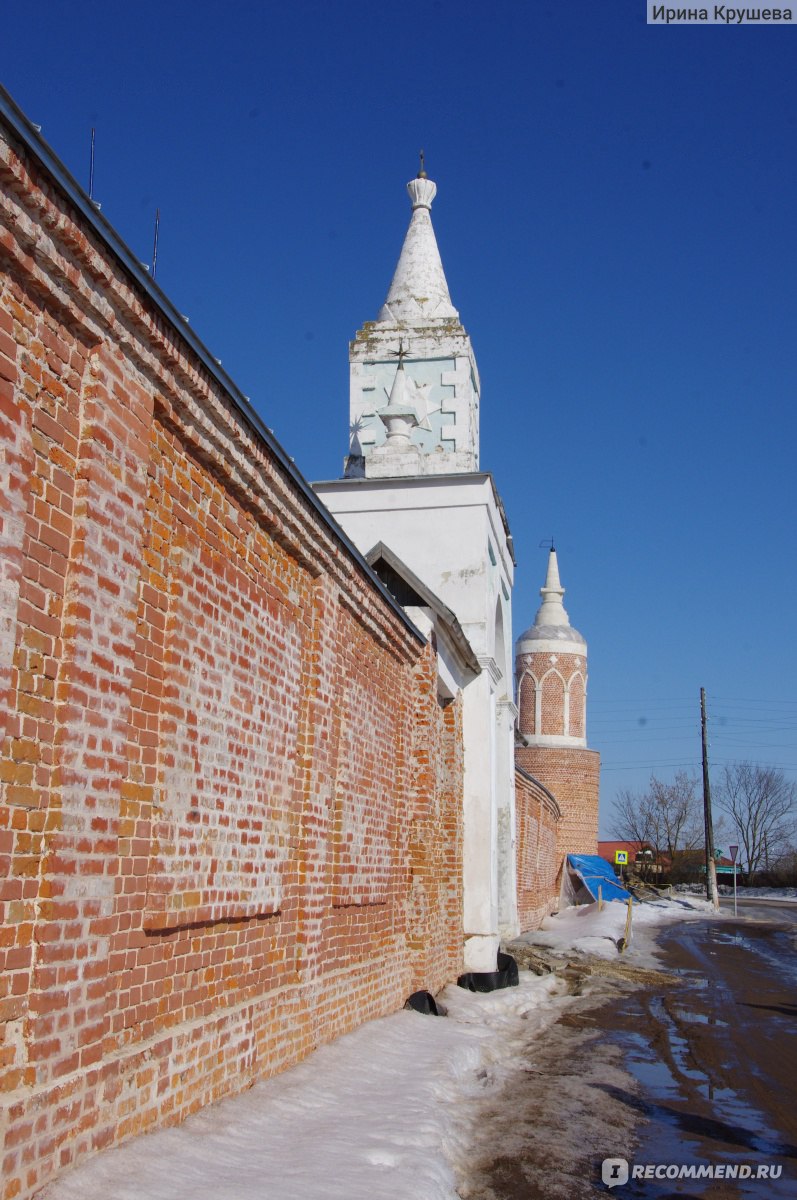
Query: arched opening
(527, 704)
(553, 704)
(577, 712)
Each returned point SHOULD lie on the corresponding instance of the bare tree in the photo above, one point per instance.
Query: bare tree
(678, 810)
(632, 818)
(761, 804)
(667, 815)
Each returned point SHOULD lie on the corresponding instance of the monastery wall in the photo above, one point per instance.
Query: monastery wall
(230, 801)
(537, 816)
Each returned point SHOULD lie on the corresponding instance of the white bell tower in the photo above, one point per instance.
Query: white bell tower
(412, 483)
(419, 325)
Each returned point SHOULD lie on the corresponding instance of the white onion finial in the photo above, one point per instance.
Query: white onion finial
(422, 192)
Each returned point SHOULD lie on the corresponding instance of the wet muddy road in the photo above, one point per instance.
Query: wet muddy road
(716, 1058)
(698, 1070)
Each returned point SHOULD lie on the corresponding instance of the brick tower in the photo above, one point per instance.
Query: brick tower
(551, 679)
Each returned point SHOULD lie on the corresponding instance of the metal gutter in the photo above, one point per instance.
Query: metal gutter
(27, 133)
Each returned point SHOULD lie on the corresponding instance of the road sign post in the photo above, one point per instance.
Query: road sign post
(733, 851)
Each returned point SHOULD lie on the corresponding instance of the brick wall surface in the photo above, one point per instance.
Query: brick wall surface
(573, 775)
(230, 801)
(537, 860)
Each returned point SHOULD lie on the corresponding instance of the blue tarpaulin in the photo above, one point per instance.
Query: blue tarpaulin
(594, 873)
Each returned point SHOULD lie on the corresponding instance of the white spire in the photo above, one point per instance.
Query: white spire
(551, 624)
(552, 610)
(419, 293)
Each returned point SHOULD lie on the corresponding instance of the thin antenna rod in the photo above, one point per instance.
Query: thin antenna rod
(91, 165)
(155, 245)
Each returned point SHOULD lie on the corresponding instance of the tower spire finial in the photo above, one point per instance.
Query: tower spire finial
(422, 173)
(552, 611)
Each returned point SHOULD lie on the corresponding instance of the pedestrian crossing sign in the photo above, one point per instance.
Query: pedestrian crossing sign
(621, 857)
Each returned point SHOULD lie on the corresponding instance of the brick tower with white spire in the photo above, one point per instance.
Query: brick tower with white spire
(551, 683)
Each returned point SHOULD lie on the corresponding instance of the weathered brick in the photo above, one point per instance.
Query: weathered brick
(231, 803)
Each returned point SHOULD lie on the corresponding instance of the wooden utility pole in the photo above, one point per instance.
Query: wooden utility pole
(711, 866)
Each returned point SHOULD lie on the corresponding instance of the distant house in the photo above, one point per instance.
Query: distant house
(690, 865)
(640, 856)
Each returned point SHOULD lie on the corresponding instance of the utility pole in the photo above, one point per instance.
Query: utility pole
(711, 866)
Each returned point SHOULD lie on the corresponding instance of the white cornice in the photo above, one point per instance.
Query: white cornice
(551, 646)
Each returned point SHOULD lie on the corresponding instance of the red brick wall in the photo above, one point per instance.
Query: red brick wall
(537, 859)
(230, 803)
(572, 775)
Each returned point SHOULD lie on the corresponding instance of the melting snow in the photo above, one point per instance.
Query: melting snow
(382, 1112)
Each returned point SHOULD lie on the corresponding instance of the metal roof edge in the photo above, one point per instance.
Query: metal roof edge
(446, 615)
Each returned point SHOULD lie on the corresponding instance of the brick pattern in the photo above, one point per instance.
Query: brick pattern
(230, 801)
(577, 706)
(435, 836)
(537, 858)
(527, 703)
(369, 777)
(554, 680)
(227, 745)
(572, 775)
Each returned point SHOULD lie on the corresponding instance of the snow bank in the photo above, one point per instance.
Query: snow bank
(743, 893)
(375, 1114)
(387, 1111)
(586, 929)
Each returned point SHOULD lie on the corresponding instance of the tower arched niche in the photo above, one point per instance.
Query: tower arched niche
(552, 706)
(577, 696)
(527, 703)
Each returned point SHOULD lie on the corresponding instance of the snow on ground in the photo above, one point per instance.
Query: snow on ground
(743, 893)
(372, 1115)
(386, 1111)
(585, 929)
(768, 893)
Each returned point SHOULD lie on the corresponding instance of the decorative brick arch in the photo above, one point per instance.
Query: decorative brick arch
(527, 703)
(552, 703)
(577, 707)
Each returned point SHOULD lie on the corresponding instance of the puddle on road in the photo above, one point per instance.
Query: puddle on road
(697, 1018)
(677, 1134)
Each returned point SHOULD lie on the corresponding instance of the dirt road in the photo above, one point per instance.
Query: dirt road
(699, 1070)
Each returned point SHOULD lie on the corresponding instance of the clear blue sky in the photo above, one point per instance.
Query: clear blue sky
(616, 215)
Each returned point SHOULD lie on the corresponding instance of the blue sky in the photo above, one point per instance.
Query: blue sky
(616, 219)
